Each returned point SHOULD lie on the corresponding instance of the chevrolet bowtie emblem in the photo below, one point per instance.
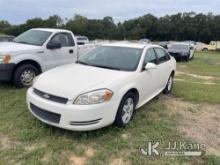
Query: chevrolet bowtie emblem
(46, 96)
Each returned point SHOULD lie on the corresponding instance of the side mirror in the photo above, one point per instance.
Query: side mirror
(51, 45)
(150, 66)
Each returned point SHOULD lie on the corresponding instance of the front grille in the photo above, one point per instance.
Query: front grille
(45, 115)
(51, 97)
(83, 123)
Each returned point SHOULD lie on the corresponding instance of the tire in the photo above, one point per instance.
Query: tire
(187, 58)
(24, 75)
(169, 85)
(127, 104)
(193, 56)
(205, 50)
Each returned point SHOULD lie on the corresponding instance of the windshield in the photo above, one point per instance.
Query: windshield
(180, 47)
(33, 37)
(116, 58)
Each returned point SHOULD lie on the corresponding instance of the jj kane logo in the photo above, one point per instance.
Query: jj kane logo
(181, 148)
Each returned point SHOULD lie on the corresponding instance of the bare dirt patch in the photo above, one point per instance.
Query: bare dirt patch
(8, 143)
(79, 160)
(199, 122)
(46, 158)
(206, 83)
(35, 146)
(196, 76)
(125, 136)
(117, 161)
(90, 152)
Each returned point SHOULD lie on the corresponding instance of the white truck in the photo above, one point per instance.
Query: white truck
(36, 51)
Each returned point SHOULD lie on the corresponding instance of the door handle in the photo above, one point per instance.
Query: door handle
(71, 51)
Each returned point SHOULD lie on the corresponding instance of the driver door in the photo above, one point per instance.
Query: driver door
(148, 78)
(64, 55)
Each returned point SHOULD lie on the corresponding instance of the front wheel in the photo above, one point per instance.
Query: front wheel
(24, 75)
(125, 111)
(169, 85)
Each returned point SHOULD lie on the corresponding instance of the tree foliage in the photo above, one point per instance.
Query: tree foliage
(181, 26)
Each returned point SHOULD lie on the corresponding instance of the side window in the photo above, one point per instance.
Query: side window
(161, 55)
(65, 39)
(150, 57)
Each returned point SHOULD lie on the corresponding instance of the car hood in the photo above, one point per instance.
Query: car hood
(71, 80)
(16, 48)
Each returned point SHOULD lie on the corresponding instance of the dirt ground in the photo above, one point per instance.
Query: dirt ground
(200, 122)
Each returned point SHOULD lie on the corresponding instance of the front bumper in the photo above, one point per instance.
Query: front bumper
(69, 116)
(6, 71)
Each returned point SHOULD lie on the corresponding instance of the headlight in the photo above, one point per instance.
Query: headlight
(94, 97)
(5, 59)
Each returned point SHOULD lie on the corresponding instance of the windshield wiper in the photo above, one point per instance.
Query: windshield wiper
(22, 42)
(80, 62)
(106, 67)
(99, 66)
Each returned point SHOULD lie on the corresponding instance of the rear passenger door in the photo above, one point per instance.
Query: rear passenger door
(163, 67)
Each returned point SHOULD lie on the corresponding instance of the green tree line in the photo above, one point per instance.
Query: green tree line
(181, 26)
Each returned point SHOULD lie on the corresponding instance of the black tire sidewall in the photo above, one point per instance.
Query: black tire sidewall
(19, 70)
(166, 90)
(118, 120)
(205, 50)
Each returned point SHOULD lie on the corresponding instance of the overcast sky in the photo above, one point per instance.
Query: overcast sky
(18, 11)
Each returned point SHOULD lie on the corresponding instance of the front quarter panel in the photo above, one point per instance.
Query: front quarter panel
(22, 57)
(120, 88)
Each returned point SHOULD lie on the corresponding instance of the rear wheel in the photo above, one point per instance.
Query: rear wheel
(125, 111)
(169, 85)
(24, 75)
(205, 50)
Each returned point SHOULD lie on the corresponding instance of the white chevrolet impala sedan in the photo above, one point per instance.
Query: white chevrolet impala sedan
(103, 87)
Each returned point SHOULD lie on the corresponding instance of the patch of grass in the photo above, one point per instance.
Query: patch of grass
(204, 64)
(212, 160)
(194, 89)
(197, 92)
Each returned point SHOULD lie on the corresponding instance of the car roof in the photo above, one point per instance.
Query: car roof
(82, 36)
(131, 45)
(51, 30)
(180, 43)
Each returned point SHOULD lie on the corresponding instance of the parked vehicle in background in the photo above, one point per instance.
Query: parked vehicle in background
(214, 46)
(83, 49)
(181, 51)
(144, 41)
(82, 40)
(164, 44)
(201, 47)
(192, 43)
(6, 38)
(105, 86)
(36, 51)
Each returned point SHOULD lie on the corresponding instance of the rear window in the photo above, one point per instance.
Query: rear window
(180, 47)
